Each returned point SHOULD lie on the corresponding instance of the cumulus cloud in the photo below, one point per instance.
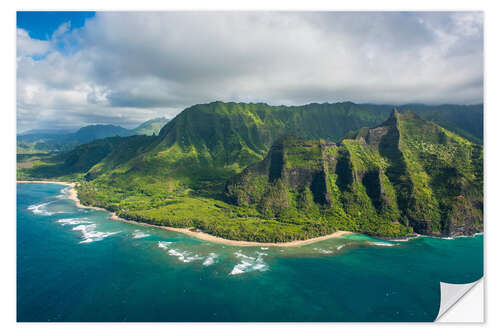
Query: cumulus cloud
(27, 46)
(123, 68)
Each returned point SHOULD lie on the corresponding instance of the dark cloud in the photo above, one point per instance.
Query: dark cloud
(134, 66)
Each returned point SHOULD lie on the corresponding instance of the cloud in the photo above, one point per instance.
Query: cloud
(135, 66)
(27, 46)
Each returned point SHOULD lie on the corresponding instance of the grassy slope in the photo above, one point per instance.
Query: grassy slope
(194, 155)
(407, 174)
(446, 171)
(434, 171)
(465, 120)
(151, 127)
(178, 177)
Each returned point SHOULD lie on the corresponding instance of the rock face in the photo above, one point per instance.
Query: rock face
(292, 163)
(406, 175)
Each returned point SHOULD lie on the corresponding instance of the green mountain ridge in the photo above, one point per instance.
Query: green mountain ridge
(220, 139)
(405, 175)
(151, 127)
(380, 180)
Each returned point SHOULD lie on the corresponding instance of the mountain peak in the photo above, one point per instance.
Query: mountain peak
(394, 113)
(406, 174)
(393, 118)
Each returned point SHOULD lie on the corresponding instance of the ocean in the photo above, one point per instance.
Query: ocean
(77, 264)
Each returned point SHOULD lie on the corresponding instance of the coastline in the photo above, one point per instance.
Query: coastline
(72, 195)
(46, 182)
(72, 191)
(197, 234)
(210, 238)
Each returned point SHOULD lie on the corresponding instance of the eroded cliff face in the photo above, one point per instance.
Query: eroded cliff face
(293, 164)
(406, 175)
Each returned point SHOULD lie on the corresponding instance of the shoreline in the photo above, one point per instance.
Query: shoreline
(215, 239)
(72, 191)
(197, 234)
(46, 182)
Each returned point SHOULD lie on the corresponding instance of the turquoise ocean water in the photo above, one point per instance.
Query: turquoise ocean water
(78, 265)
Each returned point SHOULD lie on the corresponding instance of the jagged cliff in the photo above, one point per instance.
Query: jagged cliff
(292, 162)
(229, 169)
(405, 175)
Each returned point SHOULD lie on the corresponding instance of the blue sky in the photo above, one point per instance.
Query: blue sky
(123, 68)
(41, 25)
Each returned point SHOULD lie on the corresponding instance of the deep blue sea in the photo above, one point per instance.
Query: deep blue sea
(78, 265)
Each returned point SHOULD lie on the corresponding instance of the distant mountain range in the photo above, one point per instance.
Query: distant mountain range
(279, 173)
(51, 140)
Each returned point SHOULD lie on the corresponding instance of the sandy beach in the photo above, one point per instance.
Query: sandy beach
(215, 239)
(46, 182)
(72, 194)
(198, 234)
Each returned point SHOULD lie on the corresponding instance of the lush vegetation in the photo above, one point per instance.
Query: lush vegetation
(403, 176)
(151, 127)
(75, 164)
(465, 120)
(230, 169)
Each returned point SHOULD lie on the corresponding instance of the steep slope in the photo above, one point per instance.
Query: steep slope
(215, 141)
(445, 175)
(151, 127)
(406, 174)
(80, 160)
(437, 174)
(387, 180)
(207, 144)
(465, 120)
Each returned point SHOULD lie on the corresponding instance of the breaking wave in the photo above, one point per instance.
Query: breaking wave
(187, 256)
(381, 244)
(74, 221)
(184, 256)
(249, 264)
(41, 209)
(323, 251)
(139, 234)
(89, 234)
(64, 193)
(210, 260)
(164, 245)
